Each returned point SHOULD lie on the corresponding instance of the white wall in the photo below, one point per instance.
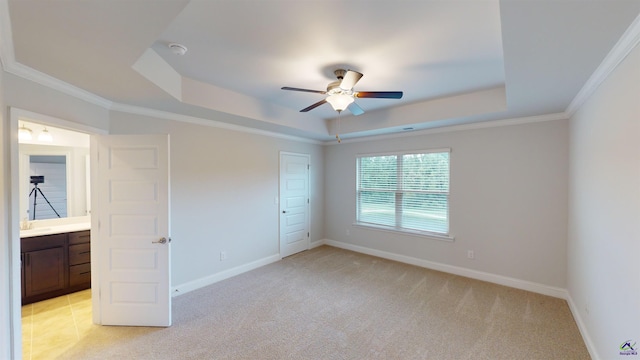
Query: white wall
(508, 200)
(223, 186)
(604, 211)
(6, 340)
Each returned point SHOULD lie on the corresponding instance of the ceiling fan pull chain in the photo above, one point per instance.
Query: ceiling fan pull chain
(338, 132)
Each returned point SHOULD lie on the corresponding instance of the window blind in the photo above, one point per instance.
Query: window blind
(408, 191)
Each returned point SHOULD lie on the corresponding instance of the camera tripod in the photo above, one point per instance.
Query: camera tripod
(35, 192)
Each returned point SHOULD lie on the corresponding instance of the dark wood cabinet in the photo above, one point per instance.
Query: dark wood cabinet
(44, 271)
(54, 265)
(79, 264)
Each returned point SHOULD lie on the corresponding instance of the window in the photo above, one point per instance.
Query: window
(404, 191)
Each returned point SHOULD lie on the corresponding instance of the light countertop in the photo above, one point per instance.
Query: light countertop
(55, 229)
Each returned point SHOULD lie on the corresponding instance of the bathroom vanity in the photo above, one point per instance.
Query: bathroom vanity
(55, 261)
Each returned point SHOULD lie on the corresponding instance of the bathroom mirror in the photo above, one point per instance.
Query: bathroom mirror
(53, 174)
(48, 183)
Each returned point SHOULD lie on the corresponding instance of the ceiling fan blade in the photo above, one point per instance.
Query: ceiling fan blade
(379, 94)
(314, 105)
(305, 90)
(355, 109)
(350, 79)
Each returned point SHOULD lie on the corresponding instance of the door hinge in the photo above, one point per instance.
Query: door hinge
(307, 201)
(308, 166)
(307, 234)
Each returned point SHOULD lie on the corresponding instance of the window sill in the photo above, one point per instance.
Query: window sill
(424, 234)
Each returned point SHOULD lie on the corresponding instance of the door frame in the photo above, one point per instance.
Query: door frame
(308, 156)
(15, 300)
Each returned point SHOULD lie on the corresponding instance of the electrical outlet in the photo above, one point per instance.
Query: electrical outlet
(223, 255)
(471, 254)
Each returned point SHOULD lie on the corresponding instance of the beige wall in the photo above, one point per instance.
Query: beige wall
(223, 187)
(508, 201)
(604, 211)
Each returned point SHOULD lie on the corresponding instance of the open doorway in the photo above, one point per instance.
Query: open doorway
(50, 167)
(143, 162)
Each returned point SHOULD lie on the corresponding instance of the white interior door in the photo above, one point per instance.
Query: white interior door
(133, 219)
(294, 203)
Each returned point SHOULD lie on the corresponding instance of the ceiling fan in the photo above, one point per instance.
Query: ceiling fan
(340, 93)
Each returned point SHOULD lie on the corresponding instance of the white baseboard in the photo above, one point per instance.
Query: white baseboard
(315, 244)
(577, 315)
(456, 270)
(223, 275)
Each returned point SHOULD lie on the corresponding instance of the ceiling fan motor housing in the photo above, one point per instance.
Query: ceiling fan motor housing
(334, 88)
(340, 73)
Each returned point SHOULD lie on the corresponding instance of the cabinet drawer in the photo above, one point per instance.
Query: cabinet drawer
(79, 254)
(79, 274)
(79, 237)
(42, 242)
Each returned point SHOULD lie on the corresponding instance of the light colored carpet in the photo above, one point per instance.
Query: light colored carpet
(329, 303)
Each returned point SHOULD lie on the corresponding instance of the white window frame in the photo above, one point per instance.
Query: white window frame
(398, 194)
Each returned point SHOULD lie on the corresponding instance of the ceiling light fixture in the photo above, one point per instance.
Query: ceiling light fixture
(45, 135)
(339, 102)
(178, 49)
(24, 133)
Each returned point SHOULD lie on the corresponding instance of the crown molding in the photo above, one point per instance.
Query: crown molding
(629, 40)
(41, 78)
(463, 127)
(10, 65)
(138, 110)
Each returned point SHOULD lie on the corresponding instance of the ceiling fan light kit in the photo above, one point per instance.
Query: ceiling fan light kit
(340, 102)
(340, 93)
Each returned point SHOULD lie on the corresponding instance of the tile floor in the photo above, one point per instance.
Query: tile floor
(52, 326)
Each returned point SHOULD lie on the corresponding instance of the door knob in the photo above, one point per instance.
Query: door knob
(284, 211)
(162, 240)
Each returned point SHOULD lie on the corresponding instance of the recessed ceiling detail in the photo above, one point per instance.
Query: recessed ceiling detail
(457, 62)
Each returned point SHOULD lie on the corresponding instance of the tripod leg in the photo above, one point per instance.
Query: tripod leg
(34, 202)
(35, 197)
(47, 200)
